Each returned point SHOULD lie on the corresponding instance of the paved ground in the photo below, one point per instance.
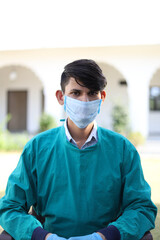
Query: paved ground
(150, 156)
(7, 164)
(151, 147)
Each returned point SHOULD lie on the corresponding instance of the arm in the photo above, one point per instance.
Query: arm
(20, 195)
(138, 211)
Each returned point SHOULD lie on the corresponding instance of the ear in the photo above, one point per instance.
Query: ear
(60, 97)
(103, 96)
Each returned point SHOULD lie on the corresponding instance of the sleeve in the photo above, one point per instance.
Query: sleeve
(138, 211)
(19, 197)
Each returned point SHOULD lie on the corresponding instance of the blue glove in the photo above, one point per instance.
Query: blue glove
(93, 236)
(55, 237)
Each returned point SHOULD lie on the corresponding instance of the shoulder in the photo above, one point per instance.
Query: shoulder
(110, 134)
(119, 146)
(49, 133)
(114, 139)
(45, 138)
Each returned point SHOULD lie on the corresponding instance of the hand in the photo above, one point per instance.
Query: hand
(54, 237)
(93, 236)
(102, 236)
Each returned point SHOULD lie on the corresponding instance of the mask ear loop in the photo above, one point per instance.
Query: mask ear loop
(63, 120)
(65, 103)
(99, 108)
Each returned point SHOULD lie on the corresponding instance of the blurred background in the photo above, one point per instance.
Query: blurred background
(38, 38)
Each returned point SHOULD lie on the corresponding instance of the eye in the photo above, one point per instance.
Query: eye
(75, 93)
(93, 93)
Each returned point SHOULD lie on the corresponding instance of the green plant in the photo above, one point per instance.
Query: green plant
(120, 119)
(4, 122)
(2, 194)
(47, 122)
(136, 138)
(12, 142)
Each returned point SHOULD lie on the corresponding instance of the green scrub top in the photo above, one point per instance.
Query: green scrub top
(78, 191)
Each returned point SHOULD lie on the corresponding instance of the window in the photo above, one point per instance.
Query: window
(155, 98)
(123, 82)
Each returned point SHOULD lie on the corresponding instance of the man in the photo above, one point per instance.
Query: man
(85, 180)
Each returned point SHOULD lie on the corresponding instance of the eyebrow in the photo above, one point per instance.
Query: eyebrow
(74, 89)
(79, 90)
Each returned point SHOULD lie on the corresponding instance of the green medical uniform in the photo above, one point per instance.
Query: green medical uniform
(78, 191)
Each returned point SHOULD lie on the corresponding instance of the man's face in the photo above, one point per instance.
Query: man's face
(74, 90)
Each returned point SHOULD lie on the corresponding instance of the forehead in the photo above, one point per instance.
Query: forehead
(72, 84)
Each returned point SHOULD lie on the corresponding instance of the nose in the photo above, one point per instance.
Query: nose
(84, 98)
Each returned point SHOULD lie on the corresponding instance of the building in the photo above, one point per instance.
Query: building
(29, 79)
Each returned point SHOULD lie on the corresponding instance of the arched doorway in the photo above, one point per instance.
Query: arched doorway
(21, 97)
(117, 94)
(154, 104)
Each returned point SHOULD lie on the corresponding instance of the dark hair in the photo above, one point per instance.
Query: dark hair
(85, 71)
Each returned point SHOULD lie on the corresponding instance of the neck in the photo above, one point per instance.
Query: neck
(79, 134)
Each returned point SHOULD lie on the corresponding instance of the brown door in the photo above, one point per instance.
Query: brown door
(17, 107)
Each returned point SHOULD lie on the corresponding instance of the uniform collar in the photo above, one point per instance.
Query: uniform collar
(93, 134)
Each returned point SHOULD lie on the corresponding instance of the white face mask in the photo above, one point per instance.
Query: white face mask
(81, 113)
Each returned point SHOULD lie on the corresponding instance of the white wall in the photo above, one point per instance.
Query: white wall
(115, 94)
(25, 80)
(136, 64)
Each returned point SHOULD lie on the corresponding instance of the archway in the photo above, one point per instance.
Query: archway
(117, 94)
(154, 104)
(20, 96)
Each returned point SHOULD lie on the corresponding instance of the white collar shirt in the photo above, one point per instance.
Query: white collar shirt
(91, 140)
